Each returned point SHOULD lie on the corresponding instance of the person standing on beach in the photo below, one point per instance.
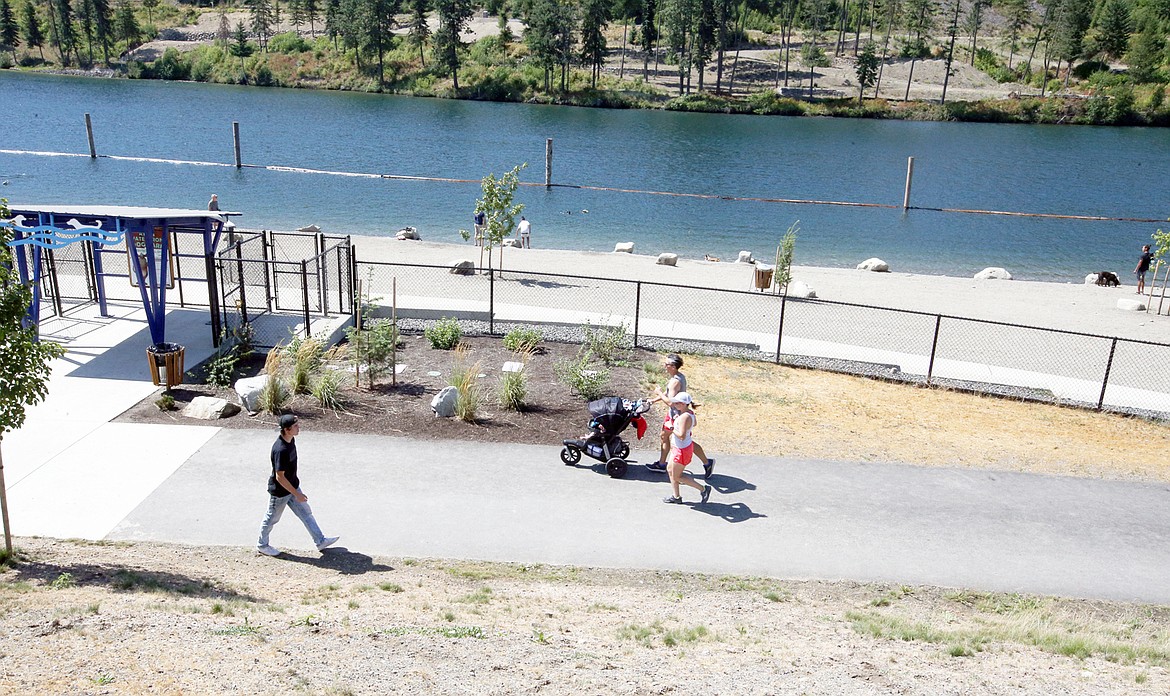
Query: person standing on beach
(284, 490)
(676, 383)
(213, 204)
(682, 450)
(1142, 267)
(525, 229)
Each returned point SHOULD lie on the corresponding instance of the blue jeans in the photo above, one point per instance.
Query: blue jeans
(276, 508)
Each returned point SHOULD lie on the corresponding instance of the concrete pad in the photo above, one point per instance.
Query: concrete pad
(87, 488)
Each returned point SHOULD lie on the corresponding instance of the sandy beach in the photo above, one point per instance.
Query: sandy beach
(1066, 306)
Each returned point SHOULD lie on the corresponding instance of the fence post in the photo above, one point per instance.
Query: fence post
(933, 348)
(89, 134)
(240, 279)
(637, 311)
(305, 297)
(269, 275)
(491, 300)
(1108, 368)
(780, 330)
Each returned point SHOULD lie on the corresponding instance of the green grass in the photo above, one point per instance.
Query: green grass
(481, 596)
(673, 637)
(63, 581)
(390, 587)
(444, 631)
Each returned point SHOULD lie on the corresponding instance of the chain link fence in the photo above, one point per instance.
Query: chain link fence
(984, 357)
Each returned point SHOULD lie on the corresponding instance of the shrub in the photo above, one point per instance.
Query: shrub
(584, 378)
(288, 42)
(608, 343)
(444, 334)
(522, 340)
(166, 402)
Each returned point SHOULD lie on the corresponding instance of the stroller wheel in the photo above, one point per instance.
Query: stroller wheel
(624, 451)
(616, 467)
(570, 456)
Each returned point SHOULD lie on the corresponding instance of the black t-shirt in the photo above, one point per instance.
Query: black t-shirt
(284, 458)
(1144, 263)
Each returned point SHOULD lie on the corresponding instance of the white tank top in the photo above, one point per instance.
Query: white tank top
(678, 443)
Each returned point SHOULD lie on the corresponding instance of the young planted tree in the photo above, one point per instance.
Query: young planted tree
(867, 69)
(498, 209)
(24, 361)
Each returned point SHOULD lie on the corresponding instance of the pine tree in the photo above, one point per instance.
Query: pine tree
(649, 34)
(263, 22)
(419, 30)
(541, 37)
(85, 17)
(1146, 53)
(240, 47)
(103, 23)
(311, 10)
(126, 24)
(594, 19)
(66, 36)
(453, 18)
(1018, 14)
(866, 70)
(33, 36)
(1113, 34)
(9, 29)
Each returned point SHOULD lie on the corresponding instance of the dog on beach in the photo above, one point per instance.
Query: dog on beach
(708, 257)
(1108, 279)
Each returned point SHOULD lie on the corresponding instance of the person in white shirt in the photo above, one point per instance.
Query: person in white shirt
(525, 229)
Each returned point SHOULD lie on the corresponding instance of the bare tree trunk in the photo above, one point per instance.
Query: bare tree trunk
(622, 69)
(4, 507)
(877, 88)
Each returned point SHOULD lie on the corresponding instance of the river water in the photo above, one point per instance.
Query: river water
(1114, 172)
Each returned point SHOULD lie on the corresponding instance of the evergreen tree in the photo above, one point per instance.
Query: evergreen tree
(1146, 52)
(223, 33)
(103, 23)
(541, 37)
(920, 15)
(1018, 14)
(263, 21)
(150, 5)
(594, 19)
(9, 29)
(1113, 35)
(419, 30)
(240, 47)
(33, 36)
(311, 9)
(126, 26)
(296, 14)
(453, 18)
(378, 29)
(679, 20)
(649, 34)
(866, 70)
(975, 18)
(1068, 31)
(953, 33)
(704, 45)
(333, 20)
(85, 18)
(66, 36)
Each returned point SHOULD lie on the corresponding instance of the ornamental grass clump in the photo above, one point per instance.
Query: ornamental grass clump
(275, 395)
(306, 356)
(514, 385)
(465, 379)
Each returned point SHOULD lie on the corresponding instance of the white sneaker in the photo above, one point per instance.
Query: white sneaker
(327, 542)
(268, 550)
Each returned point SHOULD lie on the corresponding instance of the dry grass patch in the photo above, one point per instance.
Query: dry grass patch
(764, 409)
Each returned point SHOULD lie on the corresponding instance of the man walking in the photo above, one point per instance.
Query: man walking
(1142, 267)
(525, 228)
(284, 490)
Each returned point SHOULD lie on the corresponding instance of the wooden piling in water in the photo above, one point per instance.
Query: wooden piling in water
(909, 180)
(236, 141)
(548, 162)
(89, 134)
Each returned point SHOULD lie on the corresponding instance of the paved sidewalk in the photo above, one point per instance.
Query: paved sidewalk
(776, 517)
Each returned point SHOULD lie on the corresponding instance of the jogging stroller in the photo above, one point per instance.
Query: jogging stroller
(610, 417)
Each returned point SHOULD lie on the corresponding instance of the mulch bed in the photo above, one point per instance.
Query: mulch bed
(404, 409)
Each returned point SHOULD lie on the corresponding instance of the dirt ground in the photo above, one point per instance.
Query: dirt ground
(118, 618)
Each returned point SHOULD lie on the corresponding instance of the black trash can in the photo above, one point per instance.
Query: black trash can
(169, 357)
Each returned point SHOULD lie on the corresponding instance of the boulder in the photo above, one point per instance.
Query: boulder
(667, 259)
(624, 247)
(1091, 279)
(463, 267)
(1132, 305)
(408, 233)
(249, 389)
(210, 408)
(444, 402)
(745, 257)
(311, 229)
(797, 288)
(510, 243)
(874, 264)
(993, 273)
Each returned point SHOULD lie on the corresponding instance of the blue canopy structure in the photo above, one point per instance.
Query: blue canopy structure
(146, 233)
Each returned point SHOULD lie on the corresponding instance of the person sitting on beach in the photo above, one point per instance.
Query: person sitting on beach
(676, 383)
(682, 449)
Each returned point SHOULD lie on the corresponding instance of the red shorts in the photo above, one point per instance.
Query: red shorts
(668, 422)
(682, 456)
